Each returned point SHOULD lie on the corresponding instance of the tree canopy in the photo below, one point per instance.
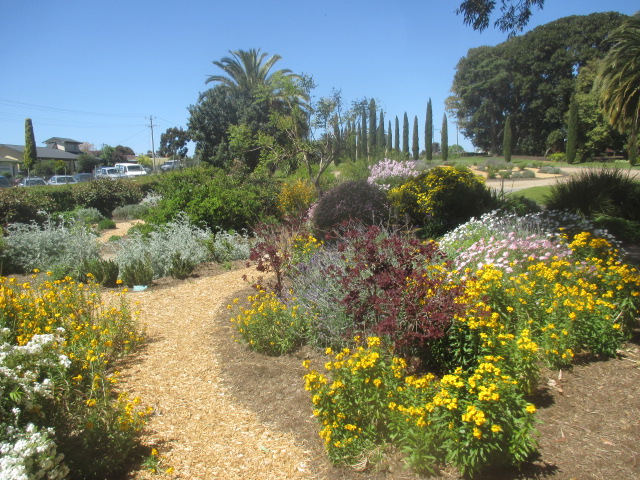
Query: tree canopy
(173, 143)
(531, 78)
(514, 14)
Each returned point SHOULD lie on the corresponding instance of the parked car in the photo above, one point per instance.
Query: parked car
(130, 169)
(32, 182)
(61, 180)
(108, 172)
(170, 165)
(4, 182)
(83, 177)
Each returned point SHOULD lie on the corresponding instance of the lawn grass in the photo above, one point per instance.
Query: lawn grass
(537, 194)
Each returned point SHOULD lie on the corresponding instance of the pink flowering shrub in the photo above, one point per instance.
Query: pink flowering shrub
(388, 173)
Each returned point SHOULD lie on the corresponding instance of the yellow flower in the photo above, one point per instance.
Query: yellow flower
(530, 408)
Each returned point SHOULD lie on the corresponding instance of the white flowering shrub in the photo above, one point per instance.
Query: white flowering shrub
(58, 247)
(179, 237)
(26, 379)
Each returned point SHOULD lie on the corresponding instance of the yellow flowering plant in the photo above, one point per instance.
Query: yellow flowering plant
(472, 420)
(94, 428)
(269, 325)
(350, 400)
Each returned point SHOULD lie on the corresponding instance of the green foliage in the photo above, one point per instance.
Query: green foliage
(607, 191)
(428, 132)
(296, 197)
(530, 77)
(181, 267)
(30, 155)
(86, 216)
(228, 246)
(405, 135)
(106, 224)
(415, 148)
(442, 198)
(138, 271)
(87, 163)
(506, 142)
(105, 194)
(104, 272)
(351, 200)
(173, 143)
(59, 247)
(558, 157)
(444, 142)
(215, 199)
(131, 212)
(270, 325)
(572, 131)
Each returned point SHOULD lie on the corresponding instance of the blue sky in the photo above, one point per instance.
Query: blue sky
(95, 71)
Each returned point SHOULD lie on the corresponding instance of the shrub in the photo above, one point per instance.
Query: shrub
(351, 200)
(270, 325)
(391, 173)
(105, 194)
(181, 267)
(131, 212)
(62, 248)
(104, 272)
(106, 224)
(214, 199)
(295, 198)
(138, 271)
(56, 391)
(443, 198)
(25, 205)
(558, 157)
(608, 191)
(86, 216)
(550, 170)
(160, 247)
(229, 246)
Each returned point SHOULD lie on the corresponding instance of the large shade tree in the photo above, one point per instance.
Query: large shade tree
(514, 14)
(619, 82)
(532, 78)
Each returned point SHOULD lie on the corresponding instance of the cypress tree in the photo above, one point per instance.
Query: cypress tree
(358, 134)
(445, 139)
(389, 138)
(506, 140)
(572, 131)
(397, 143)
(405, 135)
(415, 147)
(428, 132)
(30, 156)
(363, 135)
(373, 127)
(380, 139)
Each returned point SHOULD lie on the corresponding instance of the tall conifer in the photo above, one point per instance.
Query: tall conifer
(30, 156)
(397, 133)
(363, 135)
(380, 140)
(506, 140)
(405, 135)
(389, 138)
(572, 131)
(373, 127)
(445, 139)
(428, 132)
(415, 147)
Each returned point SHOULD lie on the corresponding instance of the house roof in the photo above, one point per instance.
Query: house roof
(61, 140)
(43, 152)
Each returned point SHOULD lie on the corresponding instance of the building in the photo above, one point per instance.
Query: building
(57, 148)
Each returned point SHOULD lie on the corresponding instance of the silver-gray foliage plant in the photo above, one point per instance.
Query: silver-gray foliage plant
(51, 246)
(179, 236)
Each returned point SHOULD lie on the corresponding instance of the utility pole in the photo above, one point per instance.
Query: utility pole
(153, 148)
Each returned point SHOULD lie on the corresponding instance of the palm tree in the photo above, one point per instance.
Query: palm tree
(619, 81)
(246, 74)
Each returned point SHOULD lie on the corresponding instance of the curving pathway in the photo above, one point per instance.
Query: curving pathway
(198, 428)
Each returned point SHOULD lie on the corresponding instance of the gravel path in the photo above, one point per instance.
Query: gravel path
(198, 428)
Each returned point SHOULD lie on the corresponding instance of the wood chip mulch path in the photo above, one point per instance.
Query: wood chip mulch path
(198, 428)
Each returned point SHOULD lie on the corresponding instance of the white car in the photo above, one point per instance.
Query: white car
(61, 180)
(108, 172)
(130, 169)
(170, 165)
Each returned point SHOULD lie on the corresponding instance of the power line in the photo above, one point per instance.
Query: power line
(68, 111)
